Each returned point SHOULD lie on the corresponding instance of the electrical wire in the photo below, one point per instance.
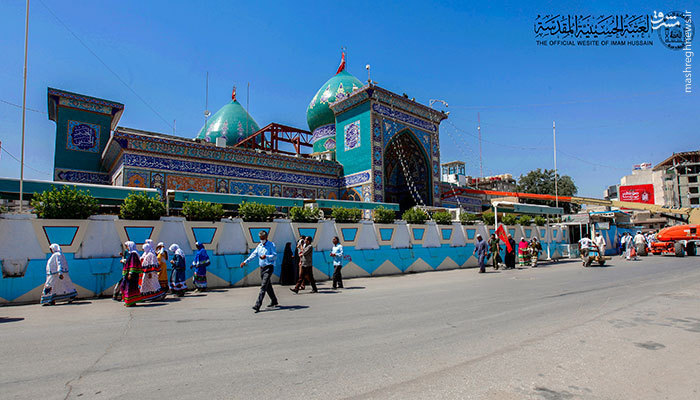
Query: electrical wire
(19, 106)
(105, 65)
(25, 164)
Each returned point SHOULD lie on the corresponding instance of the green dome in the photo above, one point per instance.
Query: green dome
(338, 87)
(232, 121)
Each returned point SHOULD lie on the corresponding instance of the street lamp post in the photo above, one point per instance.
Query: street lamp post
(24, 110)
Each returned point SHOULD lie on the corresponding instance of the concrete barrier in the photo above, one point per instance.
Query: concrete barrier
(92, 248)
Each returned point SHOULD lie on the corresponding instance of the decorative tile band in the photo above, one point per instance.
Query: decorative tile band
(323, 132)
(70, 175)
(403, 117)
(138, 160)
(355, 179)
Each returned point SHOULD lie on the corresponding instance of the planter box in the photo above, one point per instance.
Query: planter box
(251, 230)
(68, 233)
(206, 232)
(445, 233)
(348, 233)
(417, 233)
(307, 229)
(385, 233)
(138, 231)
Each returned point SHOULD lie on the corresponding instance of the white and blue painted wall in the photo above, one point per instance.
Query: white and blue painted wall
(92, 248)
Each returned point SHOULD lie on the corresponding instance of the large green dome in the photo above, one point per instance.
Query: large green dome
(232, 122)
(340, 86)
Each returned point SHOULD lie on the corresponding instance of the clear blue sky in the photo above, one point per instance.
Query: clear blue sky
(614, 107)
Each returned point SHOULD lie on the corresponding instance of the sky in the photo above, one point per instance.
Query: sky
(613, 106)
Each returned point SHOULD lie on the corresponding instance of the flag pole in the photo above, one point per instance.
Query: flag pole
(24, 110)
(556, 186)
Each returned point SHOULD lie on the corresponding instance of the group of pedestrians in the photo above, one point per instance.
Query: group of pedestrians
(630, 245)
(145, 276)
(527, 252)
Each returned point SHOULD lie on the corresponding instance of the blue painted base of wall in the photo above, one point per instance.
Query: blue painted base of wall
(96, 276)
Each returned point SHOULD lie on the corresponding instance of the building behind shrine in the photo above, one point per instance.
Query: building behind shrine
(364, 143)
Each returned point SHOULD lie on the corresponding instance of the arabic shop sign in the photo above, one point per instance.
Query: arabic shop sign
(675, 30)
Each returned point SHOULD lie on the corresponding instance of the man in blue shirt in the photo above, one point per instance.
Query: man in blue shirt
(337, 254)
(267, 255)
(481, 250)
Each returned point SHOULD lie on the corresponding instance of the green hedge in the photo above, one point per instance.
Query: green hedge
(468, 219)
(540, 220)
(415, 216)
(383, 215)
(488, 218)
(442, 217)
(256, 212)
(68, 203)
(346, 215)
(202, 211)
(140, 206)
(304, 214)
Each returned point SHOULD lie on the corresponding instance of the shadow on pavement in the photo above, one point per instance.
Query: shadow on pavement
(283, 308)
(4, 320)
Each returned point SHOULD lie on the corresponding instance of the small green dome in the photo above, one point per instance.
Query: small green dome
(338, 87)
(232, 121)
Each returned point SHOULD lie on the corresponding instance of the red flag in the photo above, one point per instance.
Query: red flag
(341, 67)
(501, 233)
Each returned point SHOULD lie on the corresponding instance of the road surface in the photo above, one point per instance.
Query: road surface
(627, 331)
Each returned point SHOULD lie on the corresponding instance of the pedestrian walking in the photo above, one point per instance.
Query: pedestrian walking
(510, 255)
(337, 254)
(522, 249)
(178, 284)
(58, 286)
(299, 251)
(163, 263)
(600, 242)
(131, 272)
(200, 264)
(307, 269)
(266, 254)
(495, 248)
(148, 283)
(481, 249)
(535, 248)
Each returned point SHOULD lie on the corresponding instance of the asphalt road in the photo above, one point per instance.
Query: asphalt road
(627, 331)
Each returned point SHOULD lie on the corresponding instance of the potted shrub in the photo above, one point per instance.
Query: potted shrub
(383, 215)
(415, 218)
(62, 217)
(443, 218)
(256, 217)
(540, 220)
(256, 212)
(140, 218)
(304, 222)
(202, 211)
(203, 223)
(488, 217)
(348, 227)
(384, 225)
(346, 215)
(468, 219)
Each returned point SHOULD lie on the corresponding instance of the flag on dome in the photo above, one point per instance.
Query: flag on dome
(341, 67)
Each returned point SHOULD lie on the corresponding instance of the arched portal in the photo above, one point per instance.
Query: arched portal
(405, 163)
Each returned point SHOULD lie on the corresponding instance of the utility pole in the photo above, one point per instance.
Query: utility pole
(24, 110)
(481, 164)
(556, 185)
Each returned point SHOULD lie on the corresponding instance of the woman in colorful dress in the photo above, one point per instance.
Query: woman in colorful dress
(149, 285)
(200, 264)
(58, 286)
(131, 273)
(522, 250)
(163, 262)
(177, 276)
